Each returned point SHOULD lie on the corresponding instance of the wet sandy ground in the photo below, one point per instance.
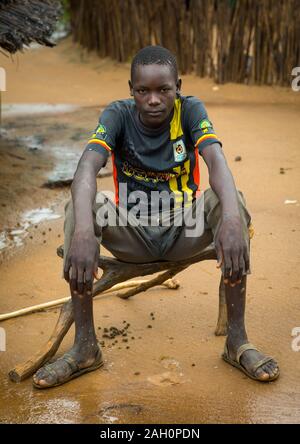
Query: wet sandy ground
(39, 151)
(172, 372)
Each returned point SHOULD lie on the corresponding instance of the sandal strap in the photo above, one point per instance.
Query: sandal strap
(51, 371)
(261, 363)
(66, 358)
(71, 362)
(244, 348)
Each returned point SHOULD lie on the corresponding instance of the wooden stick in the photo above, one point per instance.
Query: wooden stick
(169, 283)
(159, 280)
(114, 272)
(26, 369)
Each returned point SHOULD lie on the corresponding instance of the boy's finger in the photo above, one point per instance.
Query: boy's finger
(96, 274)
(220, 259)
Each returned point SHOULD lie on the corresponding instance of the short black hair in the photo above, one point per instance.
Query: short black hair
(154, 55)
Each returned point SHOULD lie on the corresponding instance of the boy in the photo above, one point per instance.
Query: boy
(155, 140)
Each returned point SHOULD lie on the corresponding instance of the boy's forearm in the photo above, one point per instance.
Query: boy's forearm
(84, 188)
(222, 183)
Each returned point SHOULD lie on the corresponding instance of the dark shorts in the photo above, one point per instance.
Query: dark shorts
(175, 241)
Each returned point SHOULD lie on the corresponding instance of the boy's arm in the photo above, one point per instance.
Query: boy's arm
(231, 247)
(83, 254)
(82, 259)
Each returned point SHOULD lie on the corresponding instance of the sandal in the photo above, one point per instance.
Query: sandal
(76, 371)
(236, 362)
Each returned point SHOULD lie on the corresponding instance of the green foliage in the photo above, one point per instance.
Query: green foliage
(66, 11)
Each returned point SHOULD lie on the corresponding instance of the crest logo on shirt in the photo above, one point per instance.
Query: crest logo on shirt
(101, 129)
(205, 125)
(101, 132)
(179, 151)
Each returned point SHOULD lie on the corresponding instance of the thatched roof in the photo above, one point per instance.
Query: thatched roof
(25, 21)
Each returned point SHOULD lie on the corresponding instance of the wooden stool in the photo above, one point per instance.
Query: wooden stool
(115, 271)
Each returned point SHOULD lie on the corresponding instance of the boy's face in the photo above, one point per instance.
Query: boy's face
(154, 90)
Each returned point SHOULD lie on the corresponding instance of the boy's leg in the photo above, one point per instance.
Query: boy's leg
(185, 247)
(126, 243)
(236, 298)
(85, 349)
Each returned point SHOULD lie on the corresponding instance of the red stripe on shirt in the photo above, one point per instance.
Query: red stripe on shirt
(196, 172)
(115, 179)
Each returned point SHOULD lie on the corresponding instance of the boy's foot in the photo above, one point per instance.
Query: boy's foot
(69, 366)
(251, 361)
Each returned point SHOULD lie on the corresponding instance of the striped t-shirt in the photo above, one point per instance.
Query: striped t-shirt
(163, 159)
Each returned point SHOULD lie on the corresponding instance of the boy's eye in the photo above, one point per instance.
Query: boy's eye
(141, 91)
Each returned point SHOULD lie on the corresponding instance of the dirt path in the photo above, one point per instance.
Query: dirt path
(154, 380)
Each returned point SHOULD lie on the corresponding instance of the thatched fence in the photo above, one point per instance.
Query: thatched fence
(252, 41)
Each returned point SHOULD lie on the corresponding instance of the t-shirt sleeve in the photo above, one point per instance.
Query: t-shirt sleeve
(106, 135)
(200, 128)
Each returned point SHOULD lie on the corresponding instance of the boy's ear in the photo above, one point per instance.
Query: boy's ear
(178, 85)
(130, 87)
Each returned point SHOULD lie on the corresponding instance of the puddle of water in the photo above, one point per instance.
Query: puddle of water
(109, 419)
(66, 162)
(14, 237)
(165, 379)
(172, 376)
(109, 412)
(66, 158)
(15, 109)
(39, 215)
(49, 412)
(2, 240)
(31, 142)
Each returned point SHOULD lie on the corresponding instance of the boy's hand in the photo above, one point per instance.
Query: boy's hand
(82, 259)
(232, 250)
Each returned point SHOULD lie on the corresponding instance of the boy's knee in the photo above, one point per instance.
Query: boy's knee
(242, 200)
(211, 200)
(68, 204)
(69, 216)
(243, 208)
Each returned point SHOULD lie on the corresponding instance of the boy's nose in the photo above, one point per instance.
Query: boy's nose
(153, 100)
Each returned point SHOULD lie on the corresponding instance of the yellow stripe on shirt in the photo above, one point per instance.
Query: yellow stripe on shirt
(175, 124)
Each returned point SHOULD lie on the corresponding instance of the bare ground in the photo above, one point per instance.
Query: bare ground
(172, 372)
